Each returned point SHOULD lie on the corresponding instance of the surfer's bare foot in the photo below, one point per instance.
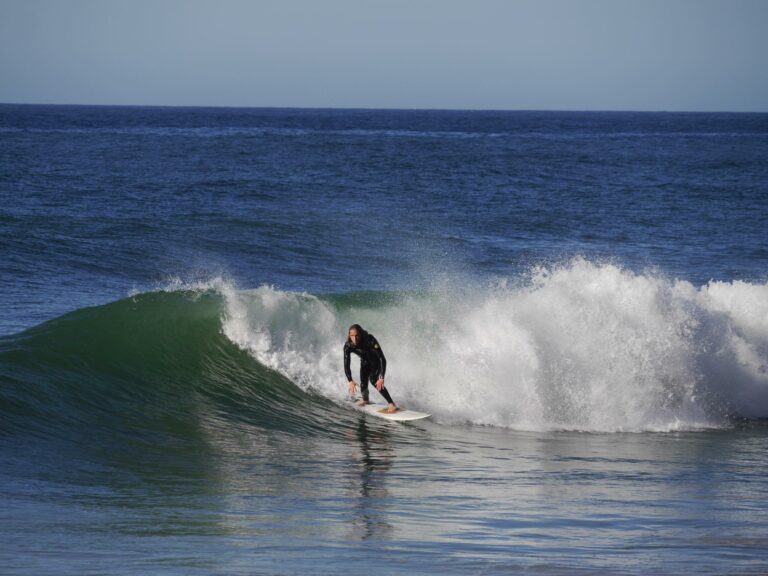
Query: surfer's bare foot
(391, 409)
(361, 402)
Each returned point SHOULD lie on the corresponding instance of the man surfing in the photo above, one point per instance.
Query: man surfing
(373, 365)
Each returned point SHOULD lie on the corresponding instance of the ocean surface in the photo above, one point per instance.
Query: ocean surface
(579, 299)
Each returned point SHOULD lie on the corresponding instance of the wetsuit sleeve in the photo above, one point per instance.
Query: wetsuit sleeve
(347, 369)
(380, 353)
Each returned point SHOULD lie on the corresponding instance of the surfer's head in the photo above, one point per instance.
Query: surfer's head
(355, 334)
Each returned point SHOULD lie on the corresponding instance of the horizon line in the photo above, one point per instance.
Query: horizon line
(390, 108)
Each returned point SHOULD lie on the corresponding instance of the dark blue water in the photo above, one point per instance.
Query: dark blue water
(99, 200)
(580, 300)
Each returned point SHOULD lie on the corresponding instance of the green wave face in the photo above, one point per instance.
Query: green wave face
(149, 366)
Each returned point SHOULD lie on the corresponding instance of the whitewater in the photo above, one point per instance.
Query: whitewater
(582, 346)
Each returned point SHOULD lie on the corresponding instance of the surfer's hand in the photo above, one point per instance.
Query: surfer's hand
(352, 386)
(380, 384)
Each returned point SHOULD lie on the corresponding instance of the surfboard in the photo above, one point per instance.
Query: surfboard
(379, 410)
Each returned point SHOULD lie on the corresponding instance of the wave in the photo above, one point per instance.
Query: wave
(581, 346)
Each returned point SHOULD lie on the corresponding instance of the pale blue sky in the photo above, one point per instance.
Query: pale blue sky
(479, 54)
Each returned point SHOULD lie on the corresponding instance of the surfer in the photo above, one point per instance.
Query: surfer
(373, 364)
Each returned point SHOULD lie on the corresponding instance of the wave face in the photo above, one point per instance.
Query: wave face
(151, 369)
(581, 346)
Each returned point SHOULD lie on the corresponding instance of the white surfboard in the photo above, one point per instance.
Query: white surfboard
(380, 411)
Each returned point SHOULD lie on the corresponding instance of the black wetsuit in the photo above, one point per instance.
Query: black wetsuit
(373, 364)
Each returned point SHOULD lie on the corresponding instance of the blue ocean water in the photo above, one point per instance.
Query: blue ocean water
(579, 299)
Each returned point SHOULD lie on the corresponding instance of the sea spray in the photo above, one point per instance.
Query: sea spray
(733, 338)
(292, 333)
(581, 346)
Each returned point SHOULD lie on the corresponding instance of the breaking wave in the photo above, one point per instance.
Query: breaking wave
(581, 346)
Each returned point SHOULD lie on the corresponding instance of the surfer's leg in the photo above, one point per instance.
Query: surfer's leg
(386, 395)
(364, 376)
(384, 392)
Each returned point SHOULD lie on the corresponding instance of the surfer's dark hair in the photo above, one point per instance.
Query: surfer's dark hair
(360, 332)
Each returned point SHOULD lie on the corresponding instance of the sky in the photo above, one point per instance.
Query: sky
(675, 55)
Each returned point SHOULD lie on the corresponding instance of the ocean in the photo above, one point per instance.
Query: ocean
(580, 300)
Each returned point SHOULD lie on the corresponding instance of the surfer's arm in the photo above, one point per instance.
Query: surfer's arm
(347, 369)
(380, 353)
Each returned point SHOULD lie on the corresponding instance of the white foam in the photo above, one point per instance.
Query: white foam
(292, 333)
(582, 346)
